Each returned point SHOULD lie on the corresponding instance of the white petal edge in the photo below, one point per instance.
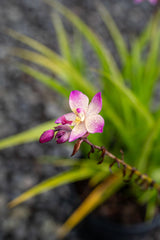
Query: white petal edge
(77, 132)
(94, 123)
(78, 100)
(95, 105)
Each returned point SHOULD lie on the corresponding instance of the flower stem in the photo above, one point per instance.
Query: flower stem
(141, 179)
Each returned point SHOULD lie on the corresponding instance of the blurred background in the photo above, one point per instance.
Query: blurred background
(25, 103)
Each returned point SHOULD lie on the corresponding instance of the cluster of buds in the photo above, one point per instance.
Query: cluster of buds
(61, 134)
(83, 120)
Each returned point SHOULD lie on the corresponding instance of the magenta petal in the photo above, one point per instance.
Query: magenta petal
(80, 110)
(63, 138)
(46, 136)
(66, 119)
(78, 100)
(94, 123)
(60, 134)
(66, 128)
(95, 105)
(153, 2)
(77, 132)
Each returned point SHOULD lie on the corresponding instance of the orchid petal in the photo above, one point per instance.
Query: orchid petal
(60, 134)
(95, 105)
(78, 100)
(78, 131)
(46, 136)
(66, 119)
(63, 138)
(94, 123)
(63, 127)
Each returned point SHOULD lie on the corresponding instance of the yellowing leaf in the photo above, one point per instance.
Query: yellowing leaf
(63, 178)
(95, 198)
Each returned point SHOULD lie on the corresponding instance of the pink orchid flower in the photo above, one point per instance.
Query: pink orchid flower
(84, 117)
(83, 120)
(153, 2)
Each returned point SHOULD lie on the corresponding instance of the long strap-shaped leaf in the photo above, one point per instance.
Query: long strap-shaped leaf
(148, 146)
(115, 33)
(45, 79)
(49, 59)
(53, 182)
(62, 37)
(33, 44)
(30, 135)
(59, 66)
(136, 104)
(95, 198)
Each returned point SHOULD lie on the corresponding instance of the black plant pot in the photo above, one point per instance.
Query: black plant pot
(100, 227)
(95, 227)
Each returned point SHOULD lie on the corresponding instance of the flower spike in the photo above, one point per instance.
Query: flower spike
(83, 120)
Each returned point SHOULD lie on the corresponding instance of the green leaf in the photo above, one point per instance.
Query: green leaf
(137, 105)
(62, 37)
(148, 146)
(59, 66)
(33, 44)
(45, 79)
(30, 135)
(72, 52)
(51, 61)
(152, 64)
(115, 33)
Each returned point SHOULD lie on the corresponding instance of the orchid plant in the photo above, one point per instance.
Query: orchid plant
(128, 90)
(85, 120)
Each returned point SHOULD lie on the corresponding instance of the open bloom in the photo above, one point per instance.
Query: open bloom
(153, 2)
(84, 116)
(83, 120)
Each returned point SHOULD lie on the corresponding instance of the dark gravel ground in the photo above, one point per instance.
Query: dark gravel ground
(25, 103)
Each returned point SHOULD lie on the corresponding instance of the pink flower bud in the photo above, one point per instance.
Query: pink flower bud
(63, 133)
(46, 136)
